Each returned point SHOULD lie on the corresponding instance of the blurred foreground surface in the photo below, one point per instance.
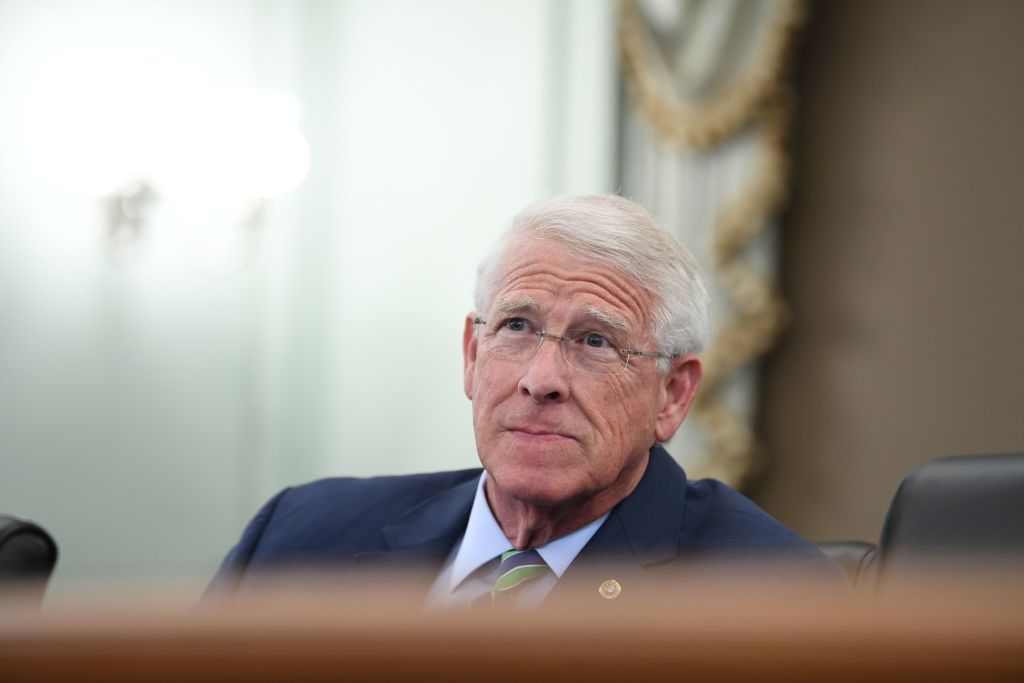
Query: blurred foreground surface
(312, 628)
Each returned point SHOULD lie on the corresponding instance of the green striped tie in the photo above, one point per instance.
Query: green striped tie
(517, 568)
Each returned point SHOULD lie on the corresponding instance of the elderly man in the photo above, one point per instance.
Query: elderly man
(580, 358)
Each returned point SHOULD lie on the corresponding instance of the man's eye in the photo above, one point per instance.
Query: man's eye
(595, 340)
(515, 325)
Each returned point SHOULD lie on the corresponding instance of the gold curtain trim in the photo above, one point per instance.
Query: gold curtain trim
(760, 315)
(761, 102)
(704, 126)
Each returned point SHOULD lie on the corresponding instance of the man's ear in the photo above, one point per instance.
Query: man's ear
(680, 387)
(468, 355)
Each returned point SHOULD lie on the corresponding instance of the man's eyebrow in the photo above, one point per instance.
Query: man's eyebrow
(516, 305)
(607, 318)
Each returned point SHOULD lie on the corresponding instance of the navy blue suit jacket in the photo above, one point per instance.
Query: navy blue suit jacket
(666, 523)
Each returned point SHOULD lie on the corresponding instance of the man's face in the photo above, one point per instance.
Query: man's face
(546, 432)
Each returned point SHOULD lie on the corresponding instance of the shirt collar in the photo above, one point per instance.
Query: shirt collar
(484, 540)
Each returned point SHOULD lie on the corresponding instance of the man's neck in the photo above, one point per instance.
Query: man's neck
(529, 525)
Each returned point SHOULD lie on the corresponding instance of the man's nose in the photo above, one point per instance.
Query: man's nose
(546, 375)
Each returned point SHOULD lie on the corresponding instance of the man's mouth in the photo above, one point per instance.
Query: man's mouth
(539, 432)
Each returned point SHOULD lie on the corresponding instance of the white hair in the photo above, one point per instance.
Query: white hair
(620, 233)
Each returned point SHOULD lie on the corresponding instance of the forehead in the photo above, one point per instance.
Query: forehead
(554, 280)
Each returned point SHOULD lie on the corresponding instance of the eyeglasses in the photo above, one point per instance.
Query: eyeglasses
(596, 353)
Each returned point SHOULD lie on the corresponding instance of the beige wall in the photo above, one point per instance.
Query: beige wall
(902, 256)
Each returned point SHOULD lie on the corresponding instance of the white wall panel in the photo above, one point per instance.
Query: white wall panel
(148, 407)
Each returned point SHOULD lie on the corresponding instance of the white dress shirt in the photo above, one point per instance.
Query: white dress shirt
(472, 566)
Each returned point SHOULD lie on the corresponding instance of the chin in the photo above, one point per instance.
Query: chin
(536, 487)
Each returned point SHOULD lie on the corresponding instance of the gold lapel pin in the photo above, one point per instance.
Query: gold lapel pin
(609, 589)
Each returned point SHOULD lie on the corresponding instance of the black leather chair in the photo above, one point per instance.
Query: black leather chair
(956, 512)
(28, 555)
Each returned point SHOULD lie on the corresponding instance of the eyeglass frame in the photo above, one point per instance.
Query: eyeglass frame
(625, 354)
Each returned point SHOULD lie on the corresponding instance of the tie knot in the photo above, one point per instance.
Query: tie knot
(517, 567)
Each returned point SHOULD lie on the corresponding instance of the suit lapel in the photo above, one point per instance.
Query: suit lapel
(641, 531)
(422, 537)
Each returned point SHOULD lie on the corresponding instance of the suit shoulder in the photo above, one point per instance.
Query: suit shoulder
(721, 522)
(341, 515)
(332, 520)
(719, 513)
(359, 495)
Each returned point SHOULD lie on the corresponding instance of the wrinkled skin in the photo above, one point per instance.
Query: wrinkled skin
(562, 447)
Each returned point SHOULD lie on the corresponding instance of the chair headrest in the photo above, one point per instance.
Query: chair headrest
(27, 551)
(966, 506)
